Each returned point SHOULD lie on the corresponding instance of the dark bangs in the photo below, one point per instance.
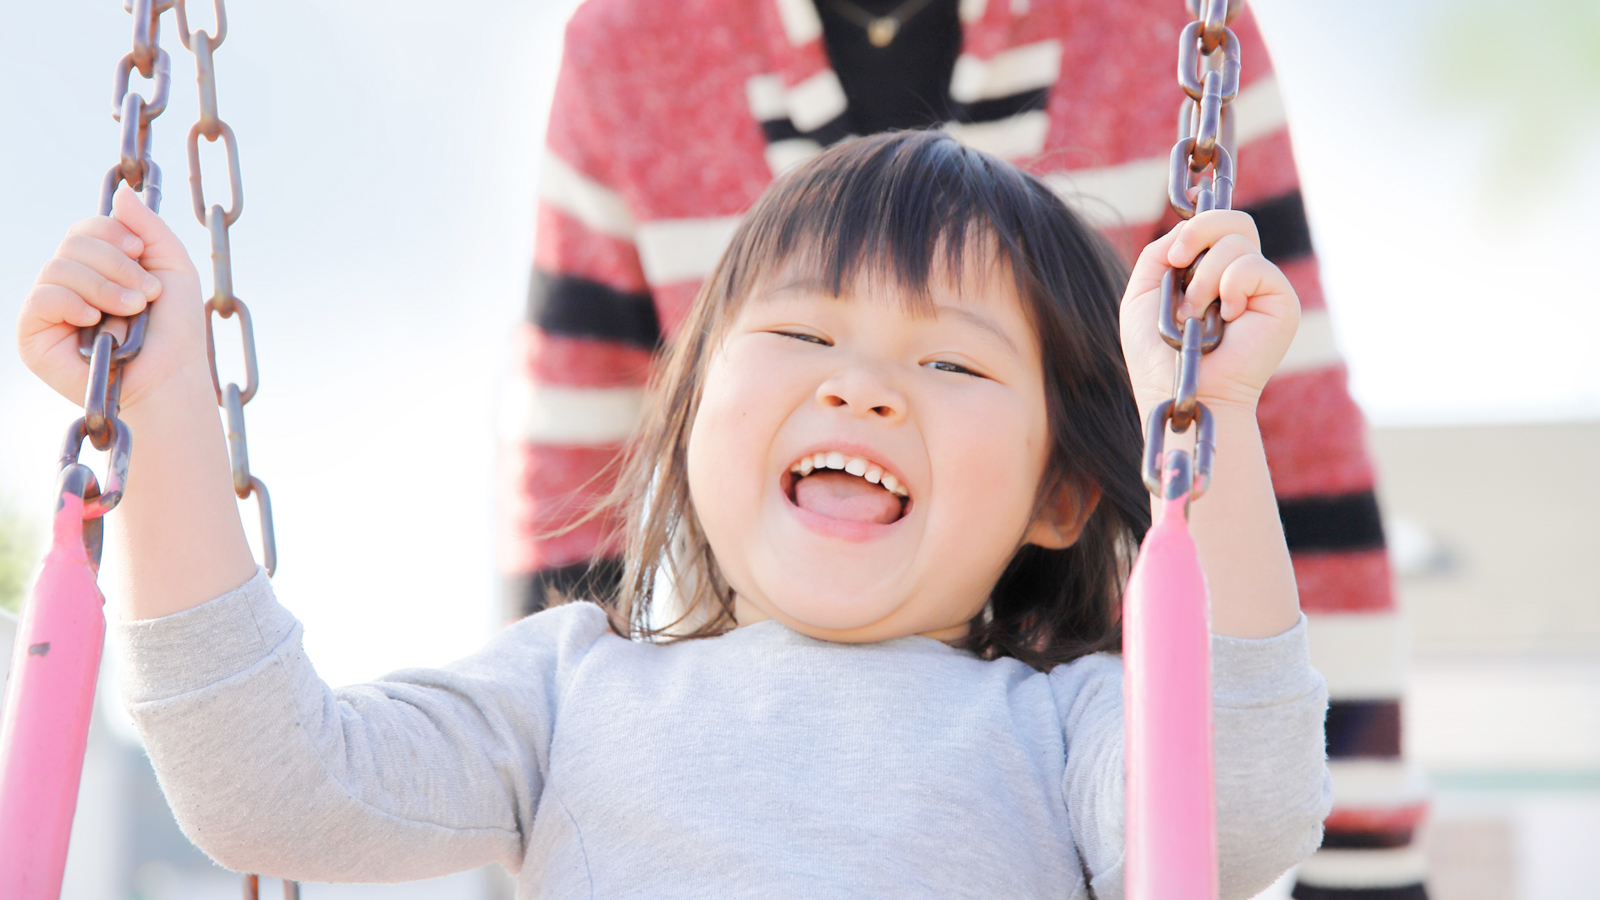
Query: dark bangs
(903, 208)
(893, 209)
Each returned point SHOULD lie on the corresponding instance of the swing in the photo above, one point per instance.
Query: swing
(1171, 803)
(1170, 823)
(50, 692)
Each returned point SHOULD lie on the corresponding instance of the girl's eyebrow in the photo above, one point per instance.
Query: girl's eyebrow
(979, 320)
(970, 316)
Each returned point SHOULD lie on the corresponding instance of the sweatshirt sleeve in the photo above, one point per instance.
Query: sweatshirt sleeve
(268, 770)
(1273, 789)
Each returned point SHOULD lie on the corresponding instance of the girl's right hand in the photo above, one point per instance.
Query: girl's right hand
(115, 267)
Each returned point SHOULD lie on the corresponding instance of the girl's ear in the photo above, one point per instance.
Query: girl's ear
(1060, 523)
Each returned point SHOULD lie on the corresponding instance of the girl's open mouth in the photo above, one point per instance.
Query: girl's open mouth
(850, 488)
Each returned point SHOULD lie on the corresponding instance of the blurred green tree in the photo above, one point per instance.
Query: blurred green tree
(1533, 70)
(18, 554)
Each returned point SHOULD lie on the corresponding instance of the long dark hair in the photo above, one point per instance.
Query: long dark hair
(895, 206)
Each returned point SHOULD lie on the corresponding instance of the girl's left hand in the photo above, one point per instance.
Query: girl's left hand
(1258, 304)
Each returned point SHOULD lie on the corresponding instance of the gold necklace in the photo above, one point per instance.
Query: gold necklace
(881, 30)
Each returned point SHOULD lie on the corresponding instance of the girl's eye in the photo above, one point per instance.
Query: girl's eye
(802, 336)
(940, 365)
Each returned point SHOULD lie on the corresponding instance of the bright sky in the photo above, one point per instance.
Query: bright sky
(389, 155)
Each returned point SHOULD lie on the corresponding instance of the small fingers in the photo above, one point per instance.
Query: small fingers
(162, 249)
(1252, 279)
(1205, 286)
(1151, 265)
(112, 232)
(90, 285)
(1206, 229)
(1158, 250)
(48, 305)
(109, 262)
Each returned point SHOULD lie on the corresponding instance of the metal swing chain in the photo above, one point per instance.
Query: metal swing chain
(223, 302)
(105, 353)
(1208, 72)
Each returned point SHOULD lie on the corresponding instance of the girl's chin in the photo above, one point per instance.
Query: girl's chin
(831, 620)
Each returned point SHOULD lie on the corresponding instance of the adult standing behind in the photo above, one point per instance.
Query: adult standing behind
(669, 119)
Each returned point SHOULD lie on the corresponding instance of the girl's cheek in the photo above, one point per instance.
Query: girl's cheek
(730, 432)
(994, 447)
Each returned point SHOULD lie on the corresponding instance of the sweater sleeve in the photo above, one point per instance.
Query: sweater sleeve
(583, 353)
(268, 770)
(1273, 787)
(1272, 779)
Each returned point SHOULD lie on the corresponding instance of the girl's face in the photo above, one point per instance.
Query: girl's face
(948, 407)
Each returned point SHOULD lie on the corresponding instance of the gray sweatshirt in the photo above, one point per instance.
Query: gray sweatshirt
(761, 763)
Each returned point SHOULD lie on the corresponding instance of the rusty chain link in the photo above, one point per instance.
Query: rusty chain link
(223, 301)
(1208, 72)
(98, 344)
(252, 888)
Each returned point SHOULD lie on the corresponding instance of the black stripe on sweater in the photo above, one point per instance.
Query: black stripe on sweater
(997, 108)
(1343, 522)
(992, 110)
(578, 307)
(1363, 728)
(827, 134)
(527, 594)
(1305, 891)
(1281, 222)
(1367, 840)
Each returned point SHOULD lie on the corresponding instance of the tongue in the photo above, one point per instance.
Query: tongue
(840, 495)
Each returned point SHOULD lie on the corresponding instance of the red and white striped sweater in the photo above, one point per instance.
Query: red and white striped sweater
(669, 119)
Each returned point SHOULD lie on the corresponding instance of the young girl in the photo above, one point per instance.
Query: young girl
(892, 473)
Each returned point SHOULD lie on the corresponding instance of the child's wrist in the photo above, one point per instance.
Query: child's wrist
(1147, 403)
(187, 396)
(1241, 405)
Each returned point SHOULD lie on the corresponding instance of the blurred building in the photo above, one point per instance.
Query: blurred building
(1496, 544)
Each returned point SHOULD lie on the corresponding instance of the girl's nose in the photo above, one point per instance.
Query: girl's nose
(863, 392)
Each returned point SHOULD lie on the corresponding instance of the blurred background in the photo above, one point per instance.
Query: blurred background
(1448, 153)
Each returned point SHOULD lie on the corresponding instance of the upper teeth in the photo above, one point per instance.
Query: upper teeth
(855, 465)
